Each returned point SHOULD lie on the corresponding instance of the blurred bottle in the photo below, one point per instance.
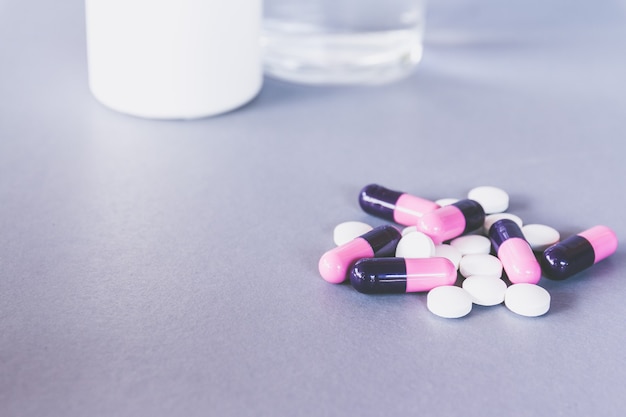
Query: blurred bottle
(174, 59)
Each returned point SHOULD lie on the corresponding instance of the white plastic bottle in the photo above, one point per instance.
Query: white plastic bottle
(174, 59)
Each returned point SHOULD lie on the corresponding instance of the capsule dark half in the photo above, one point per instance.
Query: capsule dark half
(380, 241)
(450, 221)
(395, 206)
(400, 275)
(578, 252)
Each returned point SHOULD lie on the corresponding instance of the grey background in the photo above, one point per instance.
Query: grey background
(167, 268)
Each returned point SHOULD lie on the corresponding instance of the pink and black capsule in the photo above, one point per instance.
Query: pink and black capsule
(401, 275)
(579, 252)
(451, 221)
(395, 206)
(514, 251)
(380, 241)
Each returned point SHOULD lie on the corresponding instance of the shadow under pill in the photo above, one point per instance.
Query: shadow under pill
(561, 302)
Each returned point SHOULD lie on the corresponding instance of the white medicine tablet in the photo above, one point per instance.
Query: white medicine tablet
(485, 290)
(528, 300)
(347, 231)
(471, 244)
(446, 201)
(480, 264)
(449, 301)
(492, 218)
(415, 245)
(540, 236)
(449, 252)
(492, 199)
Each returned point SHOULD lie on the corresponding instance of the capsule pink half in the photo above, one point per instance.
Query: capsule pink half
(334, 264)
(602, 239)
(442, 224)
(424, 274)
(519, 262)
(410, 208)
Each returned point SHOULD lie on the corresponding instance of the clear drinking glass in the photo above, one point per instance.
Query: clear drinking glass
(342, 41)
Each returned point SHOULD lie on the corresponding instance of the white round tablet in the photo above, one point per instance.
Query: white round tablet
(485, 290)
(449, 252)
(449, 301)
(471, 244)
(528, 300)
(415, 245)
(480, 264)
(492, 199)
(492, 218)
(540, 236)
(446, 201)
(346, 231)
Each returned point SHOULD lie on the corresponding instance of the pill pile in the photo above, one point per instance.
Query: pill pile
(461, 251)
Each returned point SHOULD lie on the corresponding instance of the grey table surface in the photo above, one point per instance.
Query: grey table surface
(169, 268)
